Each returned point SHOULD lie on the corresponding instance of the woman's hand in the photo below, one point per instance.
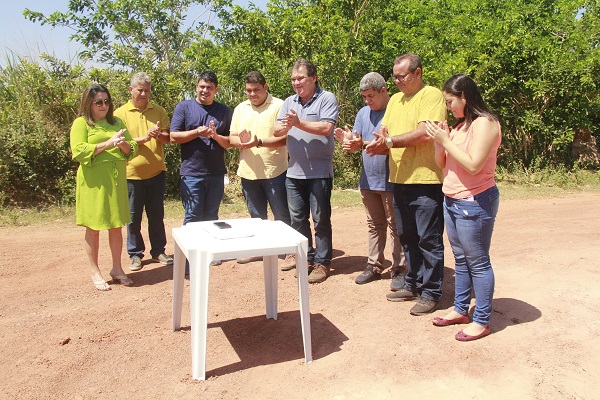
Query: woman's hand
(120, 142)
(438, 132)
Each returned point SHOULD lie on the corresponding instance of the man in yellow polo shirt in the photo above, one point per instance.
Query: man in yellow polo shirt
(417, 182)
(263, 157)
(148, 125)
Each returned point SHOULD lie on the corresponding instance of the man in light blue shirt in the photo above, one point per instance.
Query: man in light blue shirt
(376, 191)
(308, 118)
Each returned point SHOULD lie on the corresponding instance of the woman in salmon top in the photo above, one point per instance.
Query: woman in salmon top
(467, 153)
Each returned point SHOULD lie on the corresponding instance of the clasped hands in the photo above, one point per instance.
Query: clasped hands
(118, 139)
(350, 141)
(437, 131)
(290, 120)
(153, 132)
(209, 131)
(247, 140)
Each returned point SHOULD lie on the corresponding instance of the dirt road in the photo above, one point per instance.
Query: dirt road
(62, 339)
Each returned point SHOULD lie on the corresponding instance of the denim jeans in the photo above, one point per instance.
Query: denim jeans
(260, 192)
(470, 224)
(308, 197)
(148, 194)
(201, 197)
(420, 225)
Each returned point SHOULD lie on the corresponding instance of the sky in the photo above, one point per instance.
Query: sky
(21, 37)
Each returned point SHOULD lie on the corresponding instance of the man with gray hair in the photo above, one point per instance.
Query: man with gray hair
(376, 191)
(148, 125)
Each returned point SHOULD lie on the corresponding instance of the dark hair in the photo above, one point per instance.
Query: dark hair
(208, 76)
(311, 70)
(462, 85)
(86, 103)
(255, 77)
(415, 61)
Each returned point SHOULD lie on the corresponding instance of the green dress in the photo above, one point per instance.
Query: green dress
(101, 200)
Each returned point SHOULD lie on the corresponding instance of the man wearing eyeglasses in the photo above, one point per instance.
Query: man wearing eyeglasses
(148, 125)
(417, 182)
(201, 126)
(263, 157)
(308, 118)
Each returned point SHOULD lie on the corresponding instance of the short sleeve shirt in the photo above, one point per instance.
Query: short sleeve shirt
(310, 155)
(415, 164)
(201, 156)
(149, 161)
(259, 163)
(375, 170)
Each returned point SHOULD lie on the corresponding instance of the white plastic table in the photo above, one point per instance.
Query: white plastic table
(269, 239)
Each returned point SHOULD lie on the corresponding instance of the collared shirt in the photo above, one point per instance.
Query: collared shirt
(259, 163)
(310, 155)
(414, 164)
(150, 158)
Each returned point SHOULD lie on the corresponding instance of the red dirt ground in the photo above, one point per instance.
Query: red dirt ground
(63, 339)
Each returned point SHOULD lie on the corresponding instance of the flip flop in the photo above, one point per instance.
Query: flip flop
(122, 279)
(101, 285)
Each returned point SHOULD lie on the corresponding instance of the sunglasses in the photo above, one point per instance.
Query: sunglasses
(99, 103)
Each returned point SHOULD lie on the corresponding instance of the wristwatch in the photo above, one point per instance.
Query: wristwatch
(388, 142)
(259, 143)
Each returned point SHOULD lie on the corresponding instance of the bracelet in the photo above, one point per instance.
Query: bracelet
(259, 144)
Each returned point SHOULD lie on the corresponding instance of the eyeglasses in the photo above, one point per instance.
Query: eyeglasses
(401, 77)
(100, 102)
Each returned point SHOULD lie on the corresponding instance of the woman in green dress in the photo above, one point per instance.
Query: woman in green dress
(102, 146)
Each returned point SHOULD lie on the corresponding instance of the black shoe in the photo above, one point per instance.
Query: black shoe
(368, 275)
(398, 280)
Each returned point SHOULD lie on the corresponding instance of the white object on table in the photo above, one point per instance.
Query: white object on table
(196, 242)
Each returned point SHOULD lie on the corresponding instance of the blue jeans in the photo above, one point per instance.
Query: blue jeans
(201, 197)
(470, 224)
(260, 192)
(420, 225)
(148, 194)
(308, 197)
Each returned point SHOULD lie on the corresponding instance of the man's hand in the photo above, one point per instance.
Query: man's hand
(203, 131)
(247, 140)
(290, 120)
(354, 143)
(212, 130)
(153, 132)
(245, 136)
(343, 135)
(378, 146)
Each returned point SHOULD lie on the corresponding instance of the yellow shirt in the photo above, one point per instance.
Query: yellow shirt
(415, 164)
(150, 158)
(259, 163)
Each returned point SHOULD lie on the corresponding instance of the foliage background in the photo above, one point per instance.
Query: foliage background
(536, 61)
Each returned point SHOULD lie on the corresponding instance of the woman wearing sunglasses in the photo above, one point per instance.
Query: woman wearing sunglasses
(102, 146)
(467, 153)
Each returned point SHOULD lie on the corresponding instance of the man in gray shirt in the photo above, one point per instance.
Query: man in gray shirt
(308, 118)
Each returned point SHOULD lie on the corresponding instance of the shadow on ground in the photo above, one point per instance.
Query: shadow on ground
(258, 341)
